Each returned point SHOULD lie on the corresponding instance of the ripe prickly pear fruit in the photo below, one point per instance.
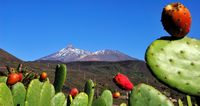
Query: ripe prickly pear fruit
(13, 78)
(123, 82)
(74, 92)
(176, 20)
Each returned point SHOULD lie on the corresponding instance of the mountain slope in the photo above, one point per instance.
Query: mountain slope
(67, 54)
(107, 55)
(71, 54)
(7, 58)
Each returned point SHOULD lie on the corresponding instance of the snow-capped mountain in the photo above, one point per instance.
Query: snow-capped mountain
(70, 53)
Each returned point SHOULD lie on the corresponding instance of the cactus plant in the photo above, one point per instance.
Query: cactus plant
(3, 79)
(6, 98)
(60, 77)
(89, 90)
(37, 94)
(105, 99)
(146, 95)
(33, 93)
(19, 94)
(46, 94)
(80, 100)
(123, 104)
(171, 59)
(59, 100)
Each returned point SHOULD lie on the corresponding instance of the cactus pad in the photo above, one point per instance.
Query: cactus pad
(60, 77)
(19, 94)
(6, 98)
(3, 79)
(33, 93)
(46, 94)
(80, 100)
(105, 99)
(145, 95)
(176, 62)
(59, 100)
(89, 90)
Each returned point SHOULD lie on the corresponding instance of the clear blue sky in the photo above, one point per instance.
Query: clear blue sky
(30, 29)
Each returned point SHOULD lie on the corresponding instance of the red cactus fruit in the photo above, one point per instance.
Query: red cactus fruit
(123, 82)
(13, 78)
(73, 92)
(20, 77)
(43, 76)
(176, 20)
(116, 94)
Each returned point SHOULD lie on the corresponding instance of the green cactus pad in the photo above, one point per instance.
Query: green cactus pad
(19, 94)
(89, 90)
(6, 98)
(123, 104)
(107, 96)
(3, 79)
(105, 99)
(59, 100)
(99, 102)
(145, 95)
(80, 100)
(33, 93)
(46, 94)
(60, 77)
(176, 62)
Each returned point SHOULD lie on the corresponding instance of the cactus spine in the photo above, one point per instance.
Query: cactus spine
(60, 77)
(89, 90)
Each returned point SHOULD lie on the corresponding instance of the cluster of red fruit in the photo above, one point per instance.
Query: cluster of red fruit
(13, 78)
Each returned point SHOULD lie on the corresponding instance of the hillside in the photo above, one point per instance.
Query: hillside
(100, 72)
(7, 58)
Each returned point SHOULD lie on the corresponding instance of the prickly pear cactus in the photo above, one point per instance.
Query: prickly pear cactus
(145, 95)
(89, 90)
(43, 94)
(6, 98)
(46, 94)
(60, 77)
(80, 100)
(59, 100)
(19, 94)
(176, 62)
(3, 79)
(33, 93)
(105, 99)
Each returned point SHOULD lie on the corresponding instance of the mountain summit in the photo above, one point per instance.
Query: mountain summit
(71, 53)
